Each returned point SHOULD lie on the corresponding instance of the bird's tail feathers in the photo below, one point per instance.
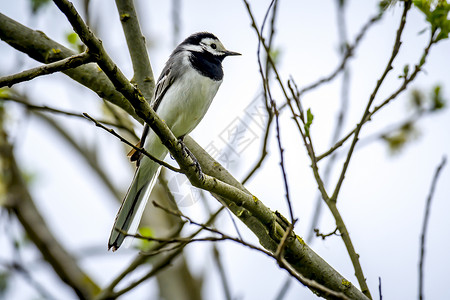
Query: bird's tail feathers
(132, 208)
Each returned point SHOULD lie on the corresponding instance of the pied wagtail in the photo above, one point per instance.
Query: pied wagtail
(183, 93)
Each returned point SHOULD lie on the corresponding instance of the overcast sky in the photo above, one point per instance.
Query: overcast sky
(383, 196)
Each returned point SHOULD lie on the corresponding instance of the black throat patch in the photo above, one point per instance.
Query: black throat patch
(207, 64)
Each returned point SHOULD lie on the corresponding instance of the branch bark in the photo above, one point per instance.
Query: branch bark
(41, 48)
(60, 65)
(143, 74)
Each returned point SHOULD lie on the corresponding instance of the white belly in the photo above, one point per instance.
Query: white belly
(187, 101)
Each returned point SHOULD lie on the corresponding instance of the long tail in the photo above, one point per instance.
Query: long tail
(133, 205)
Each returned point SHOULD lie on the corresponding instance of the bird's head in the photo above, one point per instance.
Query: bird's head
(207, 43)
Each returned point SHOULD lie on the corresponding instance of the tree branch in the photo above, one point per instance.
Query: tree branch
(41, 48)
(23, 100)
(425, 225)
(395, 50)
(125, 141)
(143, 74)
(57, 66)
(349, 51)
(19, 202)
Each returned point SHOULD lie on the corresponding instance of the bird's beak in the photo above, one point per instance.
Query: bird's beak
(230, 53)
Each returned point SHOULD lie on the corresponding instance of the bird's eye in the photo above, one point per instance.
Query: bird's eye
(214, 46)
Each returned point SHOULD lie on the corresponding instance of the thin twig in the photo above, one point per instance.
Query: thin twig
(379, 288)
(284, 289)
(348, 54)
(280, 248)
(282, 164)
(323, 235)
(221, 269)
(280, 259)
(270, 114)
(425, 225)
(394, 95)
(343, 45)
(140, 149)
(21, 99)
(271, 101)
(108, 292)
(395, 50)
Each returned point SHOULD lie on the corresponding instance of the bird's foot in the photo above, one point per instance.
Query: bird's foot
(186, 153)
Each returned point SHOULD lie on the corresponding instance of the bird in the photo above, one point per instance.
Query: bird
(184, 91)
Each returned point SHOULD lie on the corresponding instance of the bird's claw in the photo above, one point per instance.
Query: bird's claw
(186, 153)
(198, 169)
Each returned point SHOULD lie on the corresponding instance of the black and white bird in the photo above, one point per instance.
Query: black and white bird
(183, 94)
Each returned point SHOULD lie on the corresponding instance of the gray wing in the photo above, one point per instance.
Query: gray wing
(164, 82)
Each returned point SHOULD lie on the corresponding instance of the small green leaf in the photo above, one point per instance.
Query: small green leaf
(436, 13)
(309, 120)
(438, 102)
(145, 245)
(417, 99)
(405, 72)
(398, 139)
(423, 6)
(72, 38)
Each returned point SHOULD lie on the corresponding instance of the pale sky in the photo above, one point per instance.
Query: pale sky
(383, 197)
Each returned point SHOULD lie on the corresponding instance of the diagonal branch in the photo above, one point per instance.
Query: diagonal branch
(408, 79)
(125, 141)
(346, 57)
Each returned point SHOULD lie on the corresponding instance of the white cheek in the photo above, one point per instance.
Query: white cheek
(196, 48)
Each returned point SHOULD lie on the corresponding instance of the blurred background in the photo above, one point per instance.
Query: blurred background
(384, 193)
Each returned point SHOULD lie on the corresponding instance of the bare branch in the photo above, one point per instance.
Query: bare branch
(395, 50)
(125, 141)
(223, 276)
(41, 48)
(344, 101)
(407, 80)
(22, 100)
(348, 54)
(425, 225)
(57, 66)
(19, 202)
(278, 254)
(143, 74)
(325, 235)
(108, 292)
